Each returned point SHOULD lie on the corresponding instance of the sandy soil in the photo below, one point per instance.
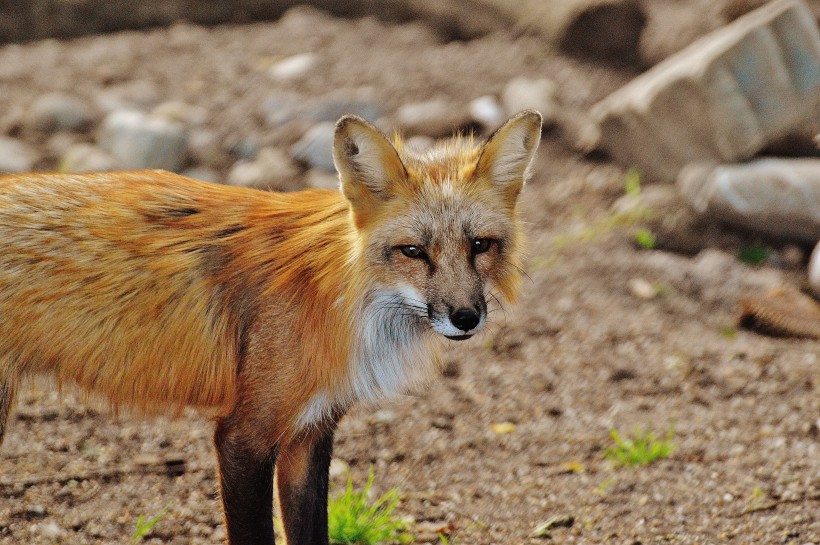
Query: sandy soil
(580, 354)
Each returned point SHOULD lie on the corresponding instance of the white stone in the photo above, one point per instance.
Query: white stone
(487, 111)
(271, 169)
(315, 148)
(293, 67)
(814, 270)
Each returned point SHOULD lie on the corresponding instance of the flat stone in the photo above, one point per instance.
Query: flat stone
(721, 99)
(293, 67)
(487, 112)
(779, 197)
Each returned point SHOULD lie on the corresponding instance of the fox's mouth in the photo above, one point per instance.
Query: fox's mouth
(458, 337)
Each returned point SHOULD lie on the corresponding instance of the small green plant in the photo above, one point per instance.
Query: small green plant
(754, 254)
(144, 527)
(353, 518)
(632, 183)
(645, 239)
(641, 448)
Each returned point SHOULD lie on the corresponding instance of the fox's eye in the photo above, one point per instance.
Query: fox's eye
(414, 252)
(481, 245)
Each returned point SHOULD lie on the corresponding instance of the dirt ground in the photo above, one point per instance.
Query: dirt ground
(580, 354)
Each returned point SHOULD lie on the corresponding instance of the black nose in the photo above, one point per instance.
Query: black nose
(465, 319)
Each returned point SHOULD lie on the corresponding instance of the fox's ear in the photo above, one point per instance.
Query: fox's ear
(506, 156)
(368, 164)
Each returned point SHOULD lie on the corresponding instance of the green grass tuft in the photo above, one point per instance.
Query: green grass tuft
(639, 449)
(753, 254)
(632, 182)
(354, 519)
(645, 239)
(144, 527)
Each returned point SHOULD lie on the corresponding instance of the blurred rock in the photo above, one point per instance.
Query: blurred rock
(181, 112)
(83, 157)
(16, 156)
(321, 179)
(59, 112)
(419, 143)
(434, 118)
(293, 67)
(606, 30)
(338, 468)
(487, 112)
(779, 197)
(642, 288)
(138, 140)
(758, 78)
(537, 94)
(272, 169)
(814, 271)
(134, 95)
(204, 174)
(315, 149)
(59, 143)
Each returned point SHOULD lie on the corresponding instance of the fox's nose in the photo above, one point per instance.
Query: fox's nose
(465, 319)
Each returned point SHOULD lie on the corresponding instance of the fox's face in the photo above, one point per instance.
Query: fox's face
(439, 230)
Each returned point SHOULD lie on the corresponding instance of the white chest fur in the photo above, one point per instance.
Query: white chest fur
(392, 353)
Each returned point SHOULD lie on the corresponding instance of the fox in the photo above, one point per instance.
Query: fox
(273, 312)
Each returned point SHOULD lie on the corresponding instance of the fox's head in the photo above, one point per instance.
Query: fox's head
(439, 229)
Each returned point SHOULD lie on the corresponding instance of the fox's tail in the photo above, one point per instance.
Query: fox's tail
(7, 397)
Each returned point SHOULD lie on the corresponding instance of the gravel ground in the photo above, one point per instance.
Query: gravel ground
(580, 354)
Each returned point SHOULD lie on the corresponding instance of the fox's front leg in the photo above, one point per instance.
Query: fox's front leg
(302, 481)
(246, 482)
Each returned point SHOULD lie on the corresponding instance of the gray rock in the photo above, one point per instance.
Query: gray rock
(537, 94)
(315, 148)
(435, 118)
(779, 197)
(721, 99)
(138, 140)
(814, 270)
(487, 112)
(272, 169)
(87, 158)
(59, 112)
(16, 156)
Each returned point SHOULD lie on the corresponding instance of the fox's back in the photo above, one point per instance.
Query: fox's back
(119, 283)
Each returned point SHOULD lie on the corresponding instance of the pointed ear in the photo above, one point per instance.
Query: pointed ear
(506, 157)
(368, 164)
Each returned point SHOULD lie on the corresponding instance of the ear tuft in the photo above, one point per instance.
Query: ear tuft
(506, 157)
(367, 162)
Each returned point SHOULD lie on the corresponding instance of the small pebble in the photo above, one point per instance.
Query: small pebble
(433, 118)
(487, 112)
(272, 169)
(87, 158)
(338, 468)
(293, 67)
(814, 270)
(642, 288)
(139, 141)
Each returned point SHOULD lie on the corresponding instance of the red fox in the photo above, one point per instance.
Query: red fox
(276, 311)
